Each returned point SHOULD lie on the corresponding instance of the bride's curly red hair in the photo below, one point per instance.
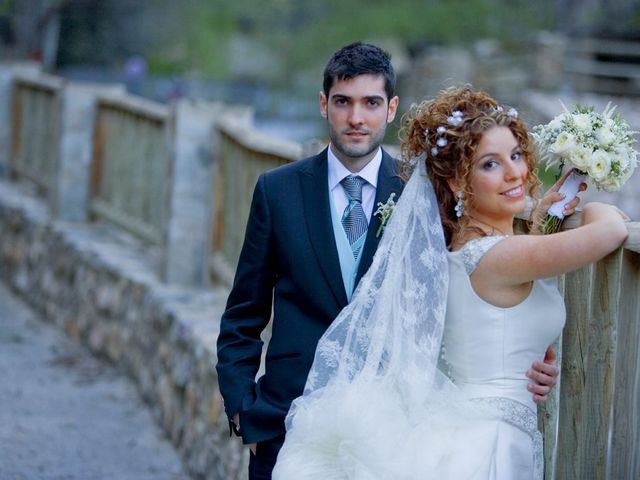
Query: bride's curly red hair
(480, 112)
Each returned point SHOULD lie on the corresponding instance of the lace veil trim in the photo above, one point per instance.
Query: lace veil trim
(391, 331)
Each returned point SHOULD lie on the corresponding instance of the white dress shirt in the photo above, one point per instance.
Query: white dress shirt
(337, 171)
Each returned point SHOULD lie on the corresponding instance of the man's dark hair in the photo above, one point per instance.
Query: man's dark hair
(359, 59)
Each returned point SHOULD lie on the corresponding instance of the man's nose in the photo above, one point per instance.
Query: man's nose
(356, 116)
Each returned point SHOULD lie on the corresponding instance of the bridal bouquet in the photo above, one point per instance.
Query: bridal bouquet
(598, 146)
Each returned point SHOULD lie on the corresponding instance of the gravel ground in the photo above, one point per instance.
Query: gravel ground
(66, 415)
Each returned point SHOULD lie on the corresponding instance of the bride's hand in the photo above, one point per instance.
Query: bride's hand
(544, 376)
(550, 197)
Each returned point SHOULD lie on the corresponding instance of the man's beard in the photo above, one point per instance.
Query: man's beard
(359, 150)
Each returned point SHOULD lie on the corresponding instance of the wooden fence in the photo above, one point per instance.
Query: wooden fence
(35, 118)
(603, 66)
(131, 165)
(242, 155)
(591, 424)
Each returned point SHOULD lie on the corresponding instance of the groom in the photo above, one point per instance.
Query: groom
(310, 237)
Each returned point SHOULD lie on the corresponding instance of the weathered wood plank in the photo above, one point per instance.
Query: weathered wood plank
(633, 240)
(131, 224)
(137, 106)
(624, 455)
(133, 165)
(240, 163)
(548, 419)
(572, 387)
(35, 118)
(252, 140)
(599, 374)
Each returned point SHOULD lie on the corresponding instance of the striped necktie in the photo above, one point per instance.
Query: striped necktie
(354, 220)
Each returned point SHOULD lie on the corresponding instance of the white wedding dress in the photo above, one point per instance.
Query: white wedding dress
(392, 397)
(488, 349)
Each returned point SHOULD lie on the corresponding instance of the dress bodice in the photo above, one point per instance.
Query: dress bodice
(488, 349)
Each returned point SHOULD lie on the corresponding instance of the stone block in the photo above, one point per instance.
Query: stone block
(70, 192)
(187, 236)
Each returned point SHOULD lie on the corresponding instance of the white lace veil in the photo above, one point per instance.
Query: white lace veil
(390, 333)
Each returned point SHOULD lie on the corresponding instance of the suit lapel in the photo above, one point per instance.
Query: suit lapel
(315, 197)
(388, 182)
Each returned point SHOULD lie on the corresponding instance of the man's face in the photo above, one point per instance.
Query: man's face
(357, 112)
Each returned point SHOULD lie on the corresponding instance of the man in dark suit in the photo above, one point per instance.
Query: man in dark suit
(310, 237)
(291, 253)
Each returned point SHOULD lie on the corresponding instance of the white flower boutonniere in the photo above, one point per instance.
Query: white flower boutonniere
(384, 212)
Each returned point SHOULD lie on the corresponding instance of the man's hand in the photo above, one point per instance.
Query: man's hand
(236, 421)
(544, 376)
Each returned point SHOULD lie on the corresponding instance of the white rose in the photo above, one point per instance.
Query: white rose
(611, 184)
(581, 158)
(582, 122)
(600, 165)
(605, 136)
(564, 144)
(623, 159)
(556, 123)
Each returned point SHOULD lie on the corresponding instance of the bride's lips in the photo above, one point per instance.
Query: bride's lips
(515, 192)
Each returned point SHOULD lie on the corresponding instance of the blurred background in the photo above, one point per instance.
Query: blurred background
(270, 53)
(154, 194)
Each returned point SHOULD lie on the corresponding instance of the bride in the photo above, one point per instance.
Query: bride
(423, 375)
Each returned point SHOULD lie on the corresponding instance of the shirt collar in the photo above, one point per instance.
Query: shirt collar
(337, 171)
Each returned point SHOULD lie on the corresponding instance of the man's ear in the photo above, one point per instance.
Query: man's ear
(393, 108)
(324, 102)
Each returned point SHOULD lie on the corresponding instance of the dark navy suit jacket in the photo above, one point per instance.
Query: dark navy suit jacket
(289, 260)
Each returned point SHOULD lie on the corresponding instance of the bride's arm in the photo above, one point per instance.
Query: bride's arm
(520, 259)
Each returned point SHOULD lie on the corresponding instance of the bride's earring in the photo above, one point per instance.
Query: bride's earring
(458, 207)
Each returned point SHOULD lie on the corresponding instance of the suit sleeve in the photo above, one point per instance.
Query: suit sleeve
(248, 309)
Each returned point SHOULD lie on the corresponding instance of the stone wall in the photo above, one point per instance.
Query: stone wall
(102, 287)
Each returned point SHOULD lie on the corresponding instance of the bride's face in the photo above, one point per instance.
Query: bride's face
(499, 177)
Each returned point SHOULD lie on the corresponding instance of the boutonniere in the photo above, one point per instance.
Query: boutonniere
(384, 212)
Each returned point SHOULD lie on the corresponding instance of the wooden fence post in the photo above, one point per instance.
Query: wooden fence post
(572, 387)
(8, 72)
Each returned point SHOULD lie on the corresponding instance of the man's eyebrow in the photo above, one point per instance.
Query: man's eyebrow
(347, 97)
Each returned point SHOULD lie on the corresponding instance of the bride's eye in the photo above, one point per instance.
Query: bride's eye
(489, 164)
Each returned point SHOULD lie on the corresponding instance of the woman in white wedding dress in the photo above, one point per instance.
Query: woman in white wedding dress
(423, 375)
